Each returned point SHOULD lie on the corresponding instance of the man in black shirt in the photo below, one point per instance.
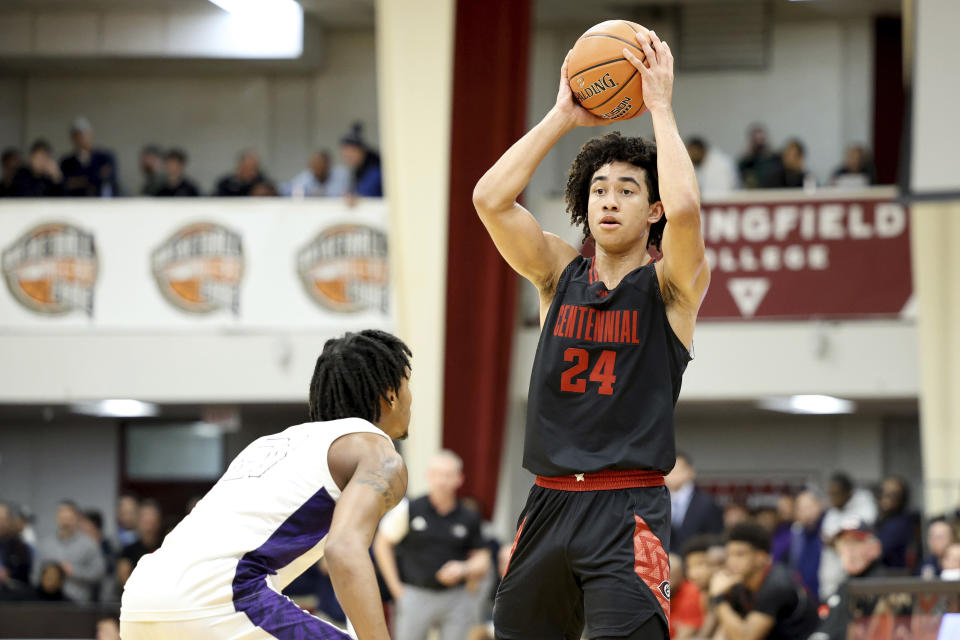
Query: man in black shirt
(175, 182)
(432, 556)
(755, 599)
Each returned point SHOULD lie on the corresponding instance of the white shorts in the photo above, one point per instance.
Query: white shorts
(289, 625)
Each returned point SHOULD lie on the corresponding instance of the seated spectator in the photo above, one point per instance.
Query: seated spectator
(15, 556)
(686, 610)
(786, 514)
(40, 177)
(52, 582)
(857, 169)
(716, 172)
(805, 542)
(792, 171)
(175, 182)
(860, 551)
(77, 554)
(88, 172)
(363, 162)
(940, 535)
(128, 515)
(734, 513)
(755, 598)
(108, 629)
(151, 168)
(951, 562)
(759, 164)
(9, 165)
(895, 524)
(91, 523)
(703, 556)
(149, 537)
(692, 511)
(319, 179)
(846, 503)
(245, 175)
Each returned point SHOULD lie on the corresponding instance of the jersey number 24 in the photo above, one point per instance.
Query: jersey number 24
(602, 371)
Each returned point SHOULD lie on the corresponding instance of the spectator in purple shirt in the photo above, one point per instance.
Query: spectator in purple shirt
(363, 162)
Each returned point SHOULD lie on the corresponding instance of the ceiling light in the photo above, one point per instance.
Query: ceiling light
(116, 408)
(808, 404)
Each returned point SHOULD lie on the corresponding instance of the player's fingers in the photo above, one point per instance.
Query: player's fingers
(635, 61)
(563, 67)
(648, 50)
(655, 39)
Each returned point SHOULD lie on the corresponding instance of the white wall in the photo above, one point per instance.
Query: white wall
(41, 465)
(818, 87)
(212, 116)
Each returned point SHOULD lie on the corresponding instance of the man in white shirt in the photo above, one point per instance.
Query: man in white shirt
(716, 171)
(319, 179)
(847, 503)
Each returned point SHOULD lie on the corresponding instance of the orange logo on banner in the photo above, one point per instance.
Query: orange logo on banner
(200, 267)
(52, 269)
(345, 268)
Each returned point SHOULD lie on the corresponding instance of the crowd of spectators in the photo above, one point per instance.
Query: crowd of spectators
(90, 171)
(78, 562)
(762, 167)
(776, 567)
(782, 569)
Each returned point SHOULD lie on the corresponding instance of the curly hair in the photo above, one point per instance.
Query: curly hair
(597, 152)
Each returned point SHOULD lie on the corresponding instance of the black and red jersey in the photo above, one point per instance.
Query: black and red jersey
(606, 377)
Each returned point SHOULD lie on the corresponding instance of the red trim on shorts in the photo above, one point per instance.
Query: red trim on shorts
(651, 564)
(602, 480)
(516, 539)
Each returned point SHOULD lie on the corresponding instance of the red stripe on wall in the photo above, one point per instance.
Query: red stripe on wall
(489, 114)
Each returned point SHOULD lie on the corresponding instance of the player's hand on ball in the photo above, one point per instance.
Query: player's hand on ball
(658, 78)
(568, 106)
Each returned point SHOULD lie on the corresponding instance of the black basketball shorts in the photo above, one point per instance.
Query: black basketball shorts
(589, 559)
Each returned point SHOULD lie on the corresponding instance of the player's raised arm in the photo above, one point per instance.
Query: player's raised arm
(685, 269)
(377, 484)
(533, 253)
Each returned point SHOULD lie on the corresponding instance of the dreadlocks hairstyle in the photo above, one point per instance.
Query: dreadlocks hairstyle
(354, 372)
(597, 152)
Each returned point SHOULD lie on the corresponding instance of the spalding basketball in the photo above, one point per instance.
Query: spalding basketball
(602, 80)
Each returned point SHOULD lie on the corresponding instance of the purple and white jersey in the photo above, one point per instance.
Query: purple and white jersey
(262, 525)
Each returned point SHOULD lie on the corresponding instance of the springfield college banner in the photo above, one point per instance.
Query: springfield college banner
(817, 256)
(187, 264)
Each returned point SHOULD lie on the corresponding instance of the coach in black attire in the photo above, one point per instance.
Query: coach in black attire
(432, 555)
(753, 598)
(693, 512)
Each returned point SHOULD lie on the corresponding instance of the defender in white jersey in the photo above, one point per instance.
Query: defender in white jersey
(312, 490)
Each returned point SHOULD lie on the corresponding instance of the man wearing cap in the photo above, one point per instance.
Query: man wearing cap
(860, 550)
(88, 172)
(753, 598)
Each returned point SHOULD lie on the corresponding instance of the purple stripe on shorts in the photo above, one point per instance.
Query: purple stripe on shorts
(274, 613)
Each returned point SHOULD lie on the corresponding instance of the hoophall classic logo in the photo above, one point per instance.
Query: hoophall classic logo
(52, 268)
(200, 267)
(345, 268)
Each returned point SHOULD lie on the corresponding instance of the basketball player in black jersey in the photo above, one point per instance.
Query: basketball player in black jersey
(616, 332)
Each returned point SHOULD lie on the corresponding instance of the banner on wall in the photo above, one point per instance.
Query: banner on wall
(135, 264)
(809, 257)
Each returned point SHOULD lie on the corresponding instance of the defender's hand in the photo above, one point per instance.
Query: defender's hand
(658, 79)
(569, 108)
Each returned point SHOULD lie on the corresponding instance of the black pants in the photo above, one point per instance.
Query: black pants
(588, 563)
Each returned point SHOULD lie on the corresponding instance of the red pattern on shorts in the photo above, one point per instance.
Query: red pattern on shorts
(514, 547)
(650, 562)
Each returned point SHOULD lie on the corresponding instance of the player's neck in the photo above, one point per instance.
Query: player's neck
(613, 266)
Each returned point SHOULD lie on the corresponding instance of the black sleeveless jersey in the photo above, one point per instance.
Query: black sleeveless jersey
(606, 377)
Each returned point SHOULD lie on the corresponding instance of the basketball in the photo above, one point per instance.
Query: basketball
(602, 80)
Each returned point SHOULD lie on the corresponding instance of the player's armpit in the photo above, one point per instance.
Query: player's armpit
(535, 254)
